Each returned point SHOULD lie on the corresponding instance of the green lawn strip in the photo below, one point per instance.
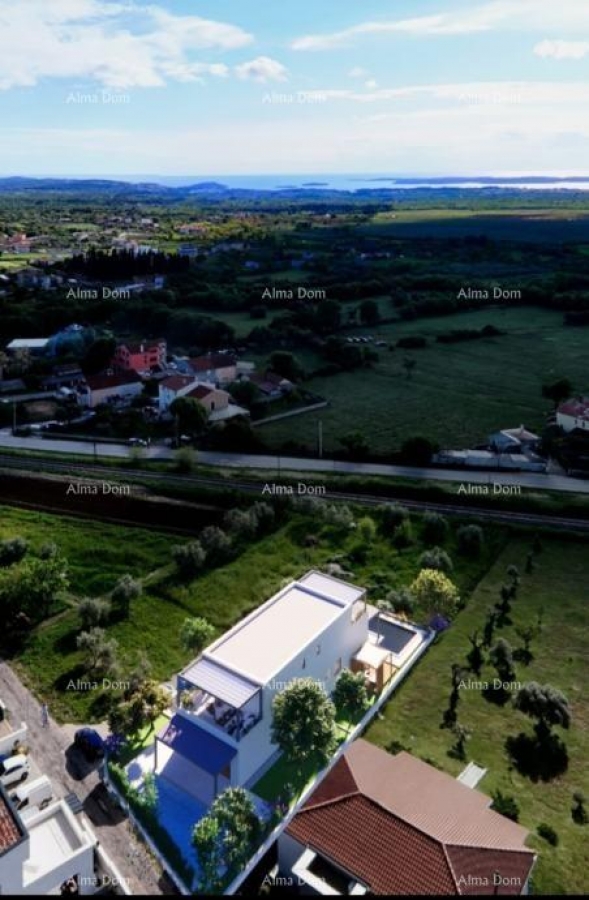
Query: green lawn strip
(412, 718)
(137, 743)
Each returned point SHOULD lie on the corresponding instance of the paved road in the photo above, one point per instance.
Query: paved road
(278, 464)
(70, 773)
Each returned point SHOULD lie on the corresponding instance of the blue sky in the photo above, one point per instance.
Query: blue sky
(424, 87)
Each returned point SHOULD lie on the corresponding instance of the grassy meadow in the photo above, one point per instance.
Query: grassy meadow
(558, 589)
(458, 394)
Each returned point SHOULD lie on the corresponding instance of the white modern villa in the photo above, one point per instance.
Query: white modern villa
(220, 734)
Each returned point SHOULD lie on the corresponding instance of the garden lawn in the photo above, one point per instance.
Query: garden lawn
(558, 588)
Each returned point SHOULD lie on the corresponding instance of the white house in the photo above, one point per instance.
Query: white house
(110, 387)
(41, 850)
(574, 414)
(174, 386)
(221, 733)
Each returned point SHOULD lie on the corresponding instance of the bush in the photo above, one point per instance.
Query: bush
(358, 554)
(264, 516)
(367, 529)
(215, 542)
(401, 601)
(436, 558)
(12, 551)
(241, 523)
(126, 590)
(189, 558)
(93, 611)
(341, 516)
(548, 833)
(470, 539)
(435, 528)
(505, 805)
(403, 536)
(392, 514)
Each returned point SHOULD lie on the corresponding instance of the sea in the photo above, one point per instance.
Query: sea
(357, 182)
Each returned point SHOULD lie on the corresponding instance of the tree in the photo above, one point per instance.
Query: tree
(349, 695)
(215, 542)
(98, 356)
(417, 451)
(578, 812)
(392, 514)
(185, 458)
(93, 611)
(356, 445)
(475, 656)
(286, 365)
(546, 704)
(436, 558)
(501, 657)
(367, 529)
(191, 415)
(141, 705)
(435, 592)
(189, 558)
(303, 723)
(100, 652)
(44, 581)
(224, 839)
(196, 633)
(328, 316)
(244, 393)
(470, 539)
(401, 601)
(435, 528)
(403, 536)
(489, 627)
(12, 551)
(526, 633)
(557, 391)
(126, 590)
(369, 312)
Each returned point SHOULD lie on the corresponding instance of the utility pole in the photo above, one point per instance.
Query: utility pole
(14, 416)
(320, 437)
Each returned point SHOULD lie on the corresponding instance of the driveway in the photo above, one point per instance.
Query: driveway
(52, 750)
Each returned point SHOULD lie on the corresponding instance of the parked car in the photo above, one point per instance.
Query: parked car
(36, 793)
(14, 769)
(137, 442)
(90, 743)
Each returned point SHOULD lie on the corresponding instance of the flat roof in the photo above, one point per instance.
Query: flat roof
(53, 840)
(220, 682)
(266, 640)
(20, 343)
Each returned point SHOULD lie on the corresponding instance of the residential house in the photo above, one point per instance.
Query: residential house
(513, 440)
(383, 824)
(172, 387)
(215, 368)
(217, 403)
(140, 357)
(271, 385)
(220, 734)
(574, 414)
(110, 387)
(64, 377)
(42, 850)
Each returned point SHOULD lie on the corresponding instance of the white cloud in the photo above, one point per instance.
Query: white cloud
(263, 69)
(526, 15)
(117, 45)
(371, 84)
(358, 72)
(562, 49)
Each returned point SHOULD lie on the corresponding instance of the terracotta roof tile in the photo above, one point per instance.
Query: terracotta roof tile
(10, 833)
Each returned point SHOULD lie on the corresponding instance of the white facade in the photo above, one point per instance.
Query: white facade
(570, 422)
(53, 848)
(170, 392)
(311, 629)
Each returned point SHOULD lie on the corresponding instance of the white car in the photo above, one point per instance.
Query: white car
(14, 769)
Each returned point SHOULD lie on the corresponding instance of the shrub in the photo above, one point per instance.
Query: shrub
(340, 516)
(215, 542)
(241, 523)
(392, 514)
(436, 558)
(435, 528)
(12, 551)
(264, 515)
(126, 590)
(470, 539)
(549, 834)
(403, 536)
(401, 601)
(358, 554)
(505, 805)
(435, 592)
(367, 529)
(93, 611)
(189, 558)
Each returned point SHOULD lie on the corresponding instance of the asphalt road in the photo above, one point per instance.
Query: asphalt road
(51, 748)
(525, 480)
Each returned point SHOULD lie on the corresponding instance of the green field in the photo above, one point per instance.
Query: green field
(558, 586)
(458, 394)
(51, 659)
(97, 553)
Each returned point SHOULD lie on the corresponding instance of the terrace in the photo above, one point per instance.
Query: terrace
(219, 699)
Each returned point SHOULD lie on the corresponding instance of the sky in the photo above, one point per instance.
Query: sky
(213, 87)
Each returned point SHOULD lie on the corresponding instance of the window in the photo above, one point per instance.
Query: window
(338, 666)
(318, 649)
(304, 663)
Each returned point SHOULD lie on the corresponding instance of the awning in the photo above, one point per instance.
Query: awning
(220, 682)
(197, 745)
(371, 655)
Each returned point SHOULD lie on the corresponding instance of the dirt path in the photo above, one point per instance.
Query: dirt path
(51, 749)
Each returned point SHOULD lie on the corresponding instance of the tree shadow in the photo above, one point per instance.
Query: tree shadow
(449, 717)
(77, 673)
(66, 643)
(538, 760)
(523, 656)
(498, 696)
(100, 706)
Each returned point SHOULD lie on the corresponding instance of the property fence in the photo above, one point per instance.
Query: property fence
(355, 733)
